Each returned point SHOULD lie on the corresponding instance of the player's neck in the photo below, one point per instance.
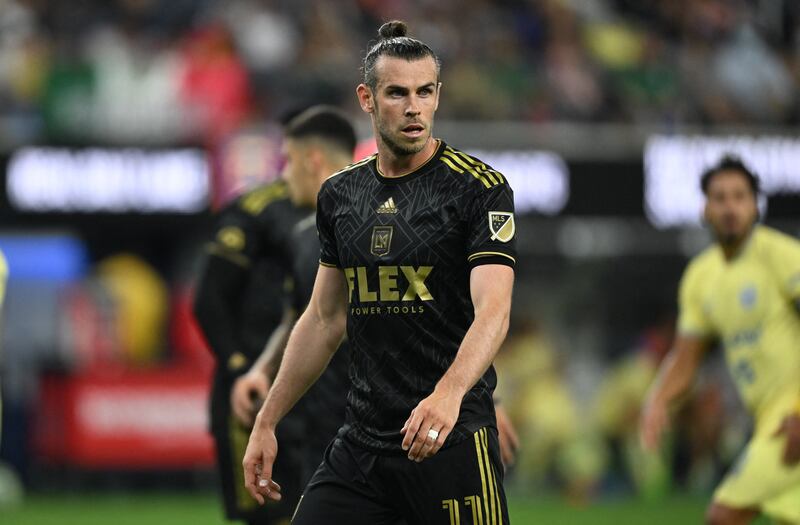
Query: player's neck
(392, 165)
(731, 249)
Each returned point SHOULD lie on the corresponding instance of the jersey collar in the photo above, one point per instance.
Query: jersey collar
(426, 166)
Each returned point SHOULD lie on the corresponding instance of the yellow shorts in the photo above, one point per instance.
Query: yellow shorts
(759, 479)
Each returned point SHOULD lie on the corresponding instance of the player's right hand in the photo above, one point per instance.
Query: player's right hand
(252, 385)
(653, 422)
(257, 463)
(507, 435)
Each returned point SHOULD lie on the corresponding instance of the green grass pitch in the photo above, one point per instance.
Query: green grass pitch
(203, 509)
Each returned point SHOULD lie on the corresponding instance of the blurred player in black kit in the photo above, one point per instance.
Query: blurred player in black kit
(416, 264)
(318, 142)
(241, 298)
(239, 302)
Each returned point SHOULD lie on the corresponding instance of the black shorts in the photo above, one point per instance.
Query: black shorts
(460, 485)
(231, 440)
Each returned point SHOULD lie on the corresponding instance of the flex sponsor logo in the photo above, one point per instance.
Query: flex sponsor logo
(395, 284)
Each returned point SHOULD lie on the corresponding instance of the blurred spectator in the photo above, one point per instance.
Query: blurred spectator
(555, 442)
(617, 405)
(150, 71)
(214, 84)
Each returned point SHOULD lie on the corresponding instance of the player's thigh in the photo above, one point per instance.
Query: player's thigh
(758, 476)
(340, 494)
(461, 485)
(334, 502)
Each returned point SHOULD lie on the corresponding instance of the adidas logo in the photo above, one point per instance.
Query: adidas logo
(387, 207)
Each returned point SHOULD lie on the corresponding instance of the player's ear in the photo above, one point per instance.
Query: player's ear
(317, 159)
(438, 91)
(365, 98)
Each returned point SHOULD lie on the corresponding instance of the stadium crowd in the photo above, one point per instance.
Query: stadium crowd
(149, 71)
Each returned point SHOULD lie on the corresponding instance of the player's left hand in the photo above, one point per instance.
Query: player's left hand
(435, 415)
(790, 426)
(247, 394)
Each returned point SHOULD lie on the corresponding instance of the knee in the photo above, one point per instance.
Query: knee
(717, 515)
(721, 515)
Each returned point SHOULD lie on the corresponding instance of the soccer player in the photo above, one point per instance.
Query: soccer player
(743, 292)
(318, 142)
(417, 256)
(239, 303)
(3, 280)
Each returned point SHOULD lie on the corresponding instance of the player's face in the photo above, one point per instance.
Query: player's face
(404, 101)
(731, 207)
(298, 172)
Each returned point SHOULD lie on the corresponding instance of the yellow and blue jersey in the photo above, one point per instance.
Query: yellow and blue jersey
(749, 304)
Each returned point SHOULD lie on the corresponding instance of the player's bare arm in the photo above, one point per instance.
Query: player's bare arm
(311, 344)
(675, 378)
(250, 390)
(490, 287)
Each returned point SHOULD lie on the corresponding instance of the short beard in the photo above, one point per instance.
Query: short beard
(398, 149)
(728, 239)
(733, 239)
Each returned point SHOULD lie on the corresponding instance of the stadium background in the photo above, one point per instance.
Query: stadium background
(124, 124)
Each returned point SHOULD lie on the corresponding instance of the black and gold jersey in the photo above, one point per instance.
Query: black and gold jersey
(406, 247)
(253, 237)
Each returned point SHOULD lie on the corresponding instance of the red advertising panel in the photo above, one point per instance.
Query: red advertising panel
(134, 420)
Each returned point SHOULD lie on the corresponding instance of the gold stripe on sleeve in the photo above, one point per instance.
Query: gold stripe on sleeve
(478, 255)
(483, 177)
(459, 170)
(327, 265)
(481, 167)
(478, 164)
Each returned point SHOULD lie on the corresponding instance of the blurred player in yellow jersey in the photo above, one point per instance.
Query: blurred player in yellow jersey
(743, 292)
(3, 279)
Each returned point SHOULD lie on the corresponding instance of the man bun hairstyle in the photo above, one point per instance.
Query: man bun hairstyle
(393, 29)
(325, 123)
(730, 162)
(393, 42)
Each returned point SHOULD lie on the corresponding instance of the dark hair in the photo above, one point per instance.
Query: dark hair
(326, 123)
(730, 163)
(393, 42)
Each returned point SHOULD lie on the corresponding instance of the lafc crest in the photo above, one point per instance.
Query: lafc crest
(381, 240)
(501, 224)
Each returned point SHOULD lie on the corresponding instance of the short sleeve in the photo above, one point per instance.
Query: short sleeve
(491, 227)
(328, 252)
(692, 318)
(786, 262)
(235, 238)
